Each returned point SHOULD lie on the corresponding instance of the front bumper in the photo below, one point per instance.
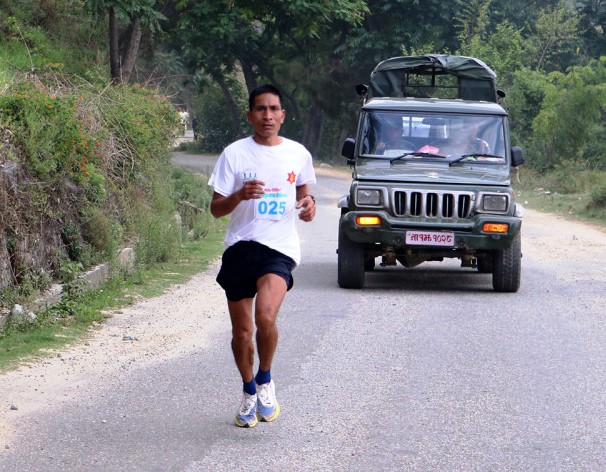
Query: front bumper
(468, 234)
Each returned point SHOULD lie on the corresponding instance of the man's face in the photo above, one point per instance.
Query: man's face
(267, 115)
(394, 133)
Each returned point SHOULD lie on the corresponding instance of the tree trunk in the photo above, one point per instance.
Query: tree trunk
(114, 49)
(249, 75)
(234, 113)
(132, 49)
(312, 134)
(293, 110)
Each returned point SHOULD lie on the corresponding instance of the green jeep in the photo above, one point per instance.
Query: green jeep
(432, 166)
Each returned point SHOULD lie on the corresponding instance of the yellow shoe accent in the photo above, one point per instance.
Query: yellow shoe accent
(246, 424)
(271, 417)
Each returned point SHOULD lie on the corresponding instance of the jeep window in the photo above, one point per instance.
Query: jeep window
(456, 137)
(430, 85)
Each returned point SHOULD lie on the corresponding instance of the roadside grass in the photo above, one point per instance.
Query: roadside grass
(574, 196)
(71, 320)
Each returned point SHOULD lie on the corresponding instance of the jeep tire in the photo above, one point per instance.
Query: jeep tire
(350, 263)
(507, 267)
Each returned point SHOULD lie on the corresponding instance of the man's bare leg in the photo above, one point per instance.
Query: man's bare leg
(271, 289)
(243, 348)
(242, 331)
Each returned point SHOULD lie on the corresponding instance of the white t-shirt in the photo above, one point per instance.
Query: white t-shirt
(271, 219)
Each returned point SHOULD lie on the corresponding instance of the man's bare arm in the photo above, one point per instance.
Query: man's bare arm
(306, 202)
(222, 205)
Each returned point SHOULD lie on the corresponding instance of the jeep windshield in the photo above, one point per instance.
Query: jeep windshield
(446, 138)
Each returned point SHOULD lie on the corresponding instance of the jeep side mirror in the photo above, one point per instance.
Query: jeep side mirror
(348, 150)
(517, 156)
(362, 90)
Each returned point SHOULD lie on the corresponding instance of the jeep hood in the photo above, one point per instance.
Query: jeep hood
(433, 173)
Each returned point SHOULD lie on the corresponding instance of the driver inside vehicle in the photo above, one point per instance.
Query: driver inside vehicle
(389, 137)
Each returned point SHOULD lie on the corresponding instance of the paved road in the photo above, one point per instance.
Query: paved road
(424, 370)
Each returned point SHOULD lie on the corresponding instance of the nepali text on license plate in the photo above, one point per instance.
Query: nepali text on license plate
(429, 238)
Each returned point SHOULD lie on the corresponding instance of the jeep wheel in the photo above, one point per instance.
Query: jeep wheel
(508, 267)
(350, 263)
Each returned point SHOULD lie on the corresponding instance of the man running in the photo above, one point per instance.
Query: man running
(261, 182)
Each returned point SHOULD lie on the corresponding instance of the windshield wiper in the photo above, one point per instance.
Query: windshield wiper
(465, 156)
(416, 154)
(373, 156)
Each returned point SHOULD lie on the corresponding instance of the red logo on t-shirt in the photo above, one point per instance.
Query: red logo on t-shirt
(291, 177)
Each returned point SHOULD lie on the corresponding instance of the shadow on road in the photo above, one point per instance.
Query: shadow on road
(323, 275)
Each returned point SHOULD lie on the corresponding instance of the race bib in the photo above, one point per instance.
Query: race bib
(272, 206)
(278, 197)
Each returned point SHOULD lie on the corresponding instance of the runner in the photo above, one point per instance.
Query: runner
(261, 182)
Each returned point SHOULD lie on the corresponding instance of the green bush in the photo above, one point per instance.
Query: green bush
(70, 235)
(570, 124)
(213, 126)
(597, 197)
(95, 160)
(52, 135)
(202, 224)
(568, 177)
(98, 231)
(157, 223)
(30, 44)
(143, 124)
(94, 186)
(192, 196)
(159, 240)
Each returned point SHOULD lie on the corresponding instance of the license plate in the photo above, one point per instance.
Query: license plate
(429, 238)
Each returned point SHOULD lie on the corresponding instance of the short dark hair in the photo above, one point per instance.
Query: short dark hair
(260, 90)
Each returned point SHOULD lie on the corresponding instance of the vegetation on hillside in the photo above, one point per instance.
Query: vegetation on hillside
(83, 165)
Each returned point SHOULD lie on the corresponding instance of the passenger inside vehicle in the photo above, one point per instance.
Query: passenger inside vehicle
(463, 138)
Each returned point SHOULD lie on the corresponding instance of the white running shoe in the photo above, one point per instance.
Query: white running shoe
(268, 407)
(247, 414)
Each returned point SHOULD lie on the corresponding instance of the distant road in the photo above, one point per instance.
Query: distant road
(203, 163)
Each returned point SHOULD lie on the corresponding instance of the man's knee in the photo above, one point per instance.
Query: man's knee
(265, 319)
(241, 335)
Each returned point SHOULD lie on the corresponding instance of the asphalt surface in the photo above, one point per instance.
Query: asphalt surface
(426, 369)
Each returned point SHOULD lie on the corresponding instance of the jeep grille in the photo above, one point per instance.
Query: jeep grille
(454, 205)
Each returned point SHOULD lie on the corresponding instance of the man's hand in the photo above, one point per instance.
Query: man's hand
(222, 205)
(252, 189)
(307, 205)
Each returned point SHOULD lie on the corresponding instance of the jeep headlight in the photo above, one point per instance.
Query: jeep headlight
(368, 196)
(495, 203)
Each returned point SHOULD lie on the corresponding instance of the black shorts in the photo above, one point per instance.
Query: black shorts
(245, 262)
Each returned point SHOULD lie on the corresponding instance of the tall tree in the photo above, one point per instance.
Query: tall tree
(571, 123)
(556, 28)
(396, 27)
(472, 23)
(500, 48)
(262, 40)
(593, 24)
(519, 13)
(124, 43)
